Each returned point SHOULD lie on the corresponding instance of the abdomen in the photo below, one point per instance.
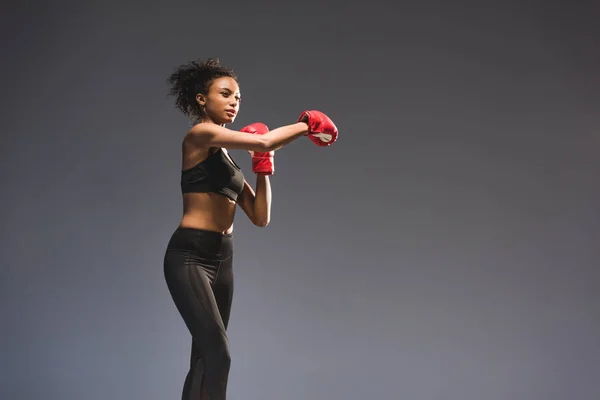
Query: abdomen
(210, 211)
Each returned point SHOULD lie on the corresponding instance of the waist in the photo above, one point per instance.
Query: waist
(200, 241)
(207, 211)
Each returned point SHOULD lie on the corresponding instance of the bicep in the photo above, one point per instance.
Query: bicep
(209, 135)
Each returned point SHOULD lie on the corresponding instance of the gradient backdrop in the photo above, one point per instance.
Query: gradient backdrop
(447, 247)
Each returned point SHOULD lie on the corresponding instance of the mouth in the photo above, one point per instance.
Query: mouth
(231, 113)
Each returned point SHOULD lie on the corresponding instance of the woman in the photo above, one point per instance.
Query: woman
(199, 257)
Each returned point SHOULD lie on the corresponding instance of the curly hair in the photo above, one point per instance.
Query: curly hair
(195, 77)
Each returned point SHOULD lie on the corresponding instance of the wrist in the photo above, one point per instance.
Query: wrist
(305, 127)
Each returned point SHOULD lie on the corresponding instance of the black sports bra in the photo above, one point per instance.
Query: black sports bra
(217, 173)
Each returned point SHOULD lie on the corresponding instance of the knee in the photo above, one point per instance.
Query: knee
(224, 358)
(219, 354)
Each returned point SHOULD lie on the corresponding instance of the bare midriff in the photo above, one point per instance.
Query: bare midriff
(208, 211)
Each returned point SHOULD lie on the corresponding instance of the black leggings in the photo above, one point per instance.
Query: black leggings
(198, 271)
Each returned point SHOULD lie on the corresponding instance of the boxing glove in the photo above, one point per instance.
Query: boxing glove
(321, 129)
(262, 163)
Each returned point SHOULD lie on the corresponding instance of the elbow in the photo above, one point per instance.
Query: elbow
(266, 144)
(261, 223)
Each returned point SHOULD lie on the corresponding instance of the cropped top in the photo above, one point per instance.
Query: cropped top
(218, 173)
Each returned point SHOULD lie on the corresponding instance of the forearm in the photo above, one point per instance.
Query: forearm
(277, 138)
(262, 200)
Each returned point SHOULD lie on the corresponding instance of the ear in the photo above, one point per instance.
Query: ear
(201, 99)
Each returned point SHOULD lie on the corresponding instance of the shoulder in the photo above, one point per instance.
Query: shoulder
(212, 135)
(198, 135)
(203, 133)
(205, 128)
(197, 138)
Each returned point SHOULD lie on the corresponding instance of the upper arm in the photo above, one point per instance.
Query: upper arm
(210, 135)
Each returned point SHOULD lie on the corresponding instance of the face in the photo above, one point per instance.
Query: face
(222, 102)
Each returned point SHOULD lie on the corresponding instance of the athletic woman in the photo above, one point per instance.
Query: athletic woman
(199, 257)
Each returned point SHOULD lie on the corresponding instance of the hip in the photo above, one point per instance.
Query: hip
(203, 243)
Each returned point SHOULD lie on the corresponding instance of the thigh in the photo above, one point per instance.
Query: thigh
(223, 289)
(192, 293)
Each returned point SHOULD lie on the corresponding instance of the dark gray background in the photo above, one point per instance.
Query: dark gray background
(446, 247)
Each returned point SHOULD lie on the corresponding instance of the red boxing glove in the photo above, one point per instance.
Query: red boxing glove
(321, 129)
(262, 163)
